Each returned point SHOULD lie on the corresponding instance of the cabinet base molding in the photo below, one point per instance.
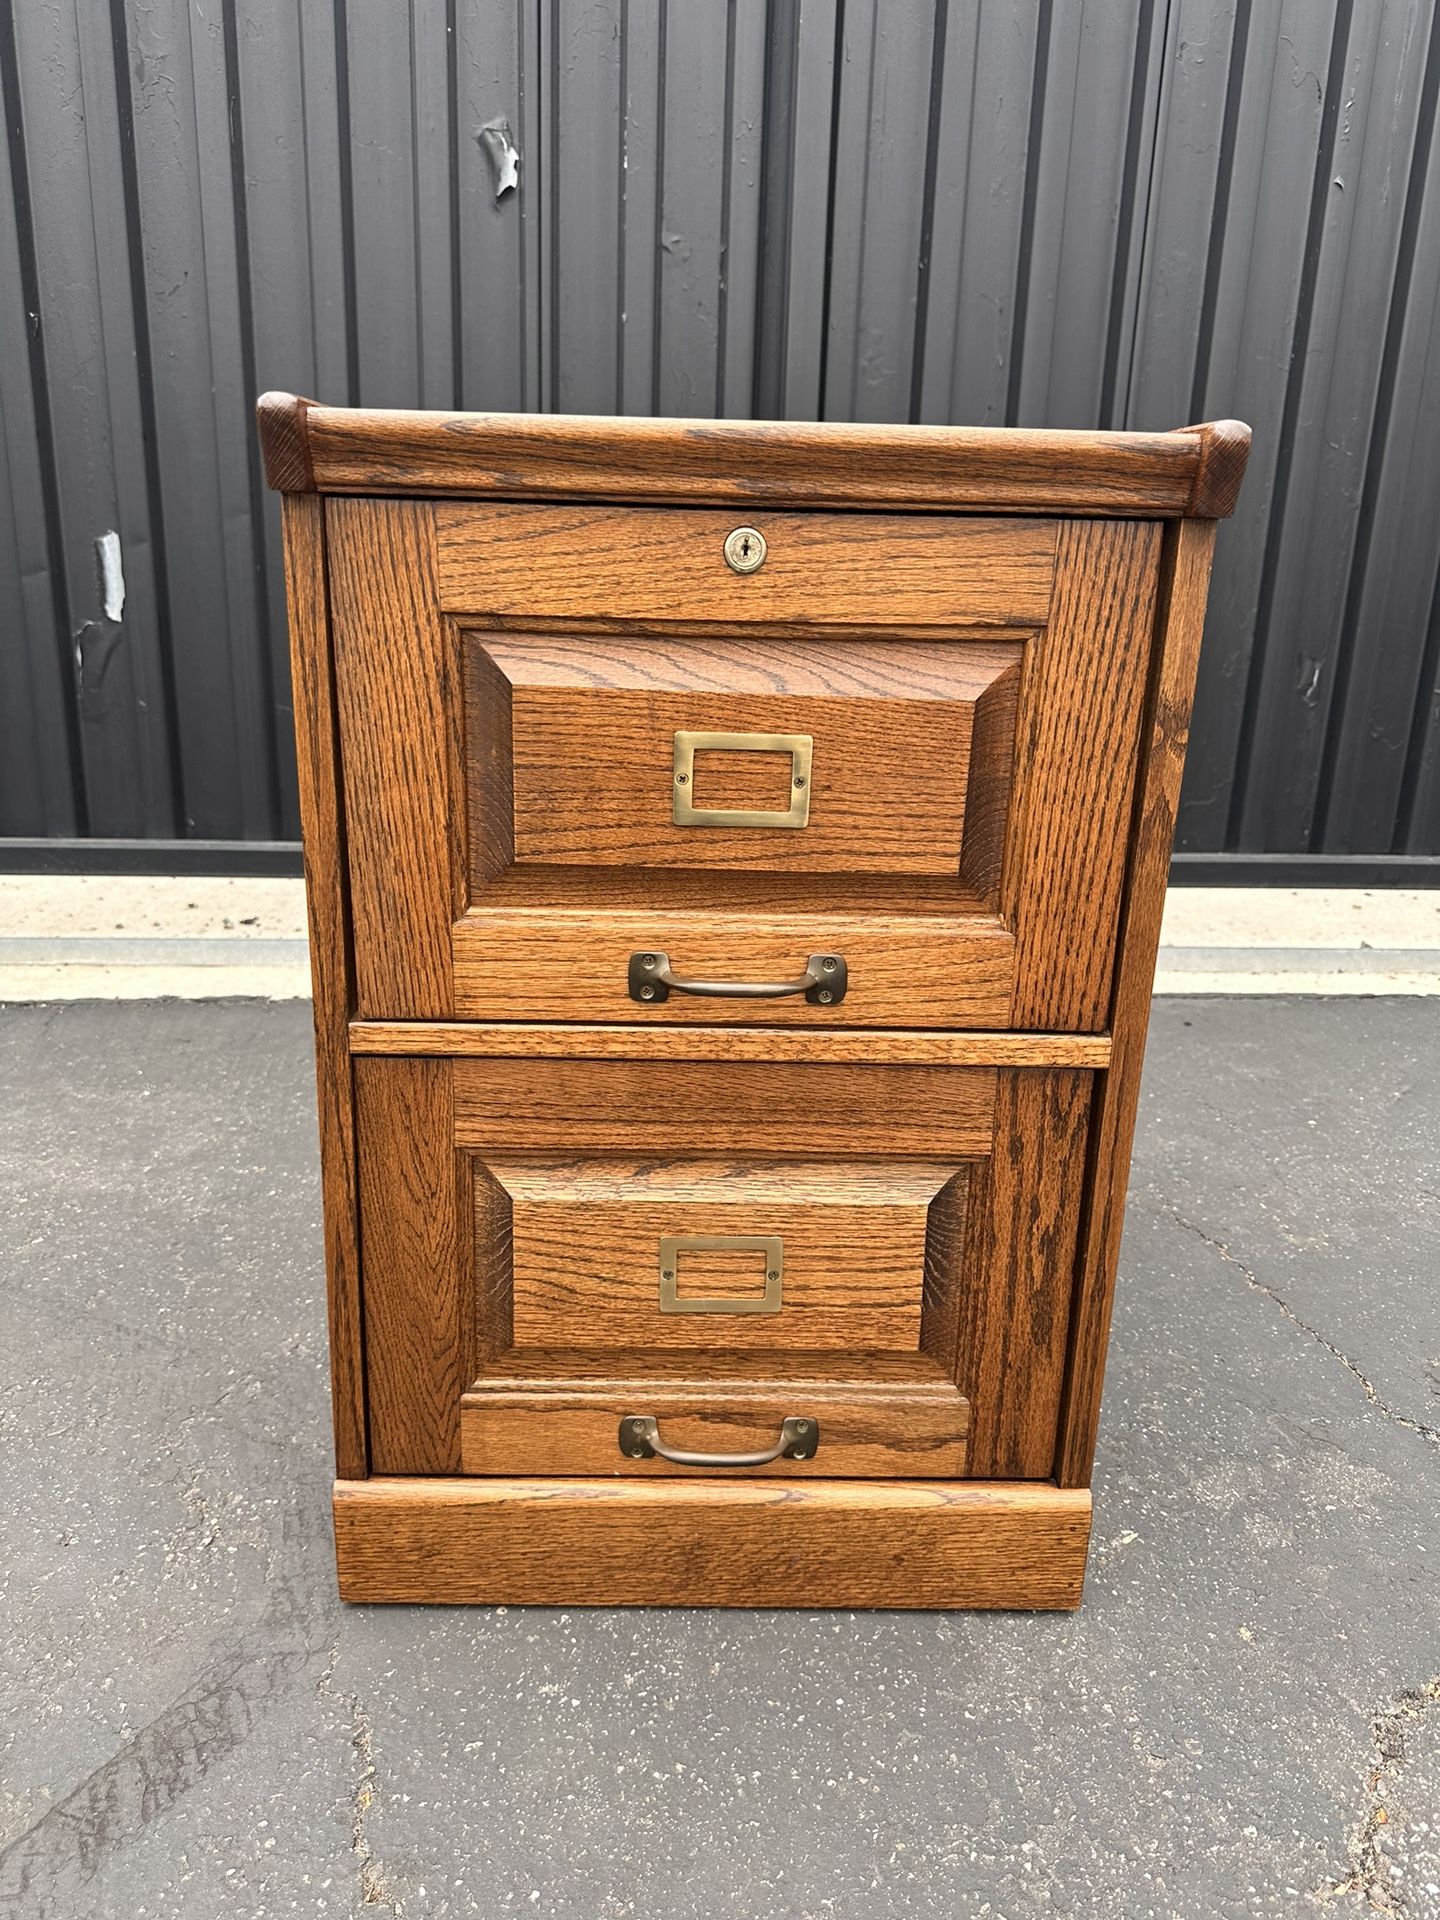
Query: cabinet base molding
(708, 1543)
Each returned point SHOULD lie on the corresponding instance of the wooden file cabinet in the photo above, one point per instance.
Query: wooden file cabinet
(735, 859)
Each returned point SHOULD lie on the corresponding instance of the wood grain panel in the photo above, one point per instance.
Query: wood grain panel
(544, 963)
(634, 566)
(990, 786)
(419, 1283)
(593, 723)
(998, 470)
(322, 826)
(586, 1238)
(492, 1235)
(947, 1221)
(1185, 574)
(522, 1040)
(400, 734)
(915, 1431)
(1018, 1270)
(710, 1543)
(652, 1107)
(1078, 740)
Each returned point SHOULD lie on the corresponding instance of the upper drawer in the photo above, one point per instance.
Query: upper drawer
(641, 567)
(590, 762)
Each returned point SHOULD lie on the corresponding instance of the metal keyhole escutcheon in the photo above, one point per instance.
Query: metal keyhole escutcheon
(745, 550)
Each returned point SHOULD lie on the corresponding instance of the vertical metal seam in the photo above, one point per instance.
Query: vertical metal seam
(822, 397)
(244, 291)
(1321, 821)
(1423, 717)
(550, 256)
(528, 347)
(417, 233)
(727, 171)
(622, 210)
(772, 288)
(657, 238)
(452, 175)
(1245, 745)
(1033, 140)
(1220, 213)
(347, 201)
(927, 207)
(1137, 123)
(44, 421)
(145, 385)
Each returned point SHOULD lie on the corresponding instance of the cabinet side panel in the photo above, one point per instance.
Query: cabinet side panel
(1019, 1271)
(1184, 577)
(325, 894)
(416, 1213)
(400, 742)
(1079, 732)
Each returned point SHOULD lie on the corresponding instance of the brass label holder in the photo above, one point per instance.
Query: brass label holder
(672, 1245)
(799, 746)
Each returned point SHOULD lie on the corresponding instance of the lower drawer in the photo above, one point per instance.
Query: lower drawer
(864, 1416)
(594, 1266)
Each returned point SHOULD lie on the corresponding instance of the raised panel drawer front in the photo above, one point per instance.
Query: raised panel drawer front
(594, 773)
(595, 1266)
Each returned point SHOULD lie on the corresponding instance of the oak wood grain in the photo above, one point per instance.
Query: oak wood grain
(911, 1431)
(990, 786)
(584, 1041)
(400, 727)
(284, 444)
(1018, 1258)
(558, 456)
(639, 566)
(657, 1107)
(542, 963)
(710, 1543)
(1184, 575)
(489, 764)
(420, 1317)
(490, 1231)
(1078, 733)
(322, 829)
(1224, 452)
(877, 1370)
(587, 1232)
(889, 786)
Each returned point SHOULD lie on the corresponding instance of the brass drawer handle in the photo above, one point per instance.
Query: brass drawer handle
(823, 982)
(640, 1440)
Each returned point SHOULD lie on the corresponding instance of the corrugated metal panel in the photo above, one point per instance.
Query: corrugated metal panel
(1101, 212)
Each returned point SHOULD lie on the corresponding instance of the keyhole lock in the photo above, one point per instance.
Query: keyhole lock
(745, 550)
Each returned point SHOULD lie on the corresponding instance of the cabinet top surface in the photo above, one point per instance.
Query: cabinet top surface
(1194, 472)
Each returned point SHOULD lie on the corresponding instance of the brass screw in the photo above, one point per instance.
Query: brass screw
(799, 779)
(772, 1275)
(667, 1273)
(682, 779)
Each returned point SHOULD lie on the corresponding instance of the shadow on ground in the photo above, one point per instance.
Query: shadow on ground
(1243, 1719)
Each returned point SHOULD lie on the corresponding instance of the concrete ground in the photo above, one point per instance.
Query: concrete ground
(1244, 1717)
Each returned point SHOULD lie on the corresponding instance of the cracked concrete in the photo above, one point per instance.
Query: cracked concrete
(1242, 1720)
(1367, 1386)
(1376, 1875)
